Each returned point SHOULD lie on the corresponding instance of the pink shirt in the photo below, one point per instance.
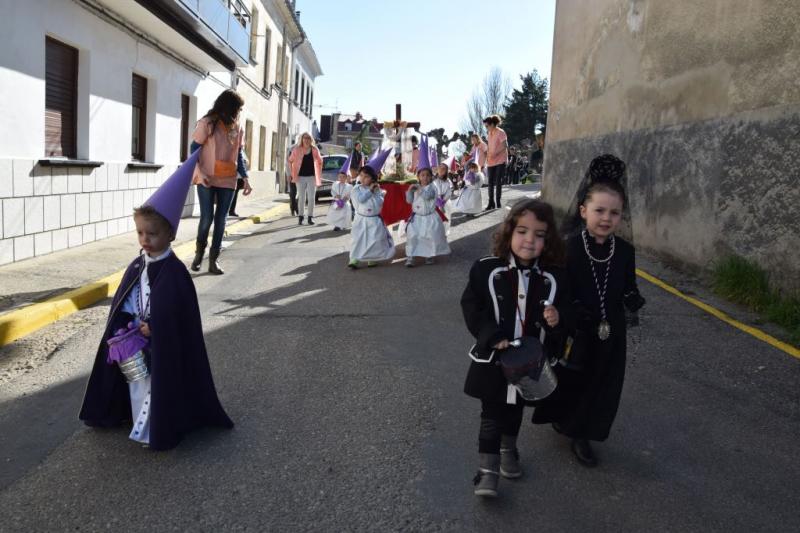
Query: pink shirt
(498, 152)
(217, 163)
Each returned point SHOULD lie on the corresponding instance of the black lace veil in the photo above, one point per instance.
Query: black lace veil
(603, 168)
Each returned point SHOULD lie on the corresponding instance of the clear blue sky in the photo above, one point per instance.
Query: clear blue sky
(428, 55)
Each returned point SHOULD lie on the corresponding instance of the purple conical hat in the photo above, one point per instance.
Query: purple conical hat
(378, 159)
(424, 155)
(372, 156)
(346, 166)
(170, 198)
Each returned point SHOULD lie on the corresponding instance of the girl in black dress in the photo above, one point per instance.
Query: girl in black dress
(601, 270)
(520, 291)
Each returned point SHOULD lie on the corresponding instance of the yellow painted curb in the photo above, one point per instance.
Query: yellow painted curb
(256, 219)
(16, 324)
(755, 332)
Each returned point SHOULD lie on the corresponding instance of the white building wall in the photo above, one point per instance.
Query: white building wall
(262, 103)
(301, 113)
(44, 209)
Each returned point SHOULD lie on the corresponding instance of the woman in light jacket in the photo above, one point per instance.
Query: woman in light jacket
(306, 170)
(496, 159)
(221, 137)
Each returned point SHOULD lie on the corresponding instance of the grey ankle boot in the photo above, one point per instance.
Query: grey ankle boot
(509, 457)
(213, 265)
(199, 250)
(488, 475)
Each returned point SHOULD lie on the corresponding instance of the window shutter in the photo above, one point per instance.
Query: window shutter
(266, 58)
(274, 159)
(139, 91)
(253, 35)
(139, 114)
(262, 145)
(61, 94)
(248, 142)
(184, 127)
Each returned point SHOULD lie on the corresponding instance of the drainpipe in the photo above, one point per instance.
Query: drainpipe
(281, 153)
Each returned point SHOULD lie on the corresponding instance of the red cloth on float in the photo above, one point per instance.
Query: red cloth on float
(395, 208)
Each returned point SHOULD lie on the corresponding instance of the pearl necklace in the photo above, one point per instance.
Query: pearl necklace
(604, 328)
(585, 235)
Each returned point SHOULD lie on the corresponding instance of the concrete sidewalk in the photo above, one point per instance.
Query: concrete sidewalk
(40, 278)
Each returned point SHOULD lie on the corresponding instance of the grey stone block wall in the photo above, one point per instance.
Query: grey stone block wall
(702, 190)
(46, 209)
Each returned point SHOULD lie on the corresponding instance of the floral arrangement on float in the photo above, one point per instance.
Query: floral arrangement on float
(396, 133)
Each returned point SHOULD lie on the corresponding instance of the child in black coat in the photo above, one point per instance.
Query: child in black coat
(520, 291)
(601, 268)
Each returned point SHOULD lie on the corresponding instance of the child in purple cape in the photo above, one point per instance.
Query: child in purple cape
(151, 366)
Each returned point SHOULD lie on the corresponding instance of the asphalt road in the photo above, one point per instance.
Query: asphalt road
(346, 392)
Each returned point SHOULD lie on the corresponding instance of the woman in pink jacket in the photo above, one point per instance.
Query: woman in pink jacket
(496, 160)
(306, 171)
(221, 136)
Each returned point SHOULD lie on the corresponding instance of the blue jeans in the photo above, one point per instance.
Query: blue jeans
(208, 213)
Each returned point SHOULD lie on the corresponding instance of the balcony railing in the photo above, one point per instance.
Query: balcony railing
(229, 20)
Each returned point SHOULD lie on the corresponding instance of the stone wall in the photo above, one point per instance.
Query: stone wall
(702, 100)
(45, 209)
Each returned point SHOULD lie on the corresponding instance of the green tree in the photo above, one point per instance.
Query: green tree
(526, 109)
(366, 145)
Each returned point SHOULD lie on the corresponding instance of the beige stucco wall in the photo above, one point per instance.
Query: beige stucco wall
(702, 99)
(631, 64)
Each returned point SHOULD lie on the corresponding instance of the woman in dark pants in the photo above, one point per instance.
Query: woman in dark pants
(496, 159)
(291, 186)
(241, 168)
(220, 135)
(512, 177)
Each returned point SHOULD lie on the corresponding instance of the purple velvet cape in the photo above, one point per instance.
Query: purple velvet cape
(182, 390)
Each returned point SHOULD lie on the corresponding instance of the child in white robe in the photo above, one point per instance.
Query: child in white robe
(425, 233)
(340, 214)
(371, 241)
(444, 191)
(469, 202)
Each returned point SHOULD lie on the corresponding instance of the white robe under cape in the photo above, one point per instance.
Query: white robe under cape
(138, 304)
(425, 234)
(371, 241)
(340, 217)
(444, 191)
(469, 201)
